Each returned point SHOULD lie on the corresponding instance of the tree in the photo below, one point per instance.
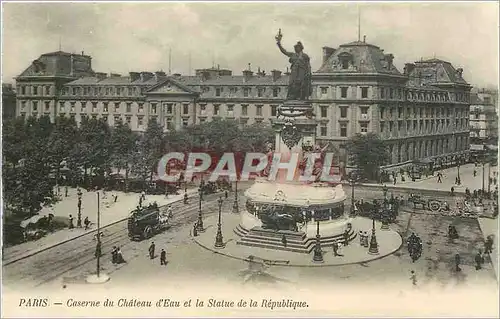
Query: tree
(62, 141)
(150, 148)
(122, 144)
(254, 138)
(368, 152)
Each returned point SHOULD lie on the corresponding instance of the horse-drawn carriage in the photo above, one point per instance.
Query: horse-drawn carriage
(378, 209)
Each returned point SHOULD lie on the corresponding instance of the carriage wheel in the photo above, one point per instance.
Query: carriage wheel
(434, 205)
(147, 232)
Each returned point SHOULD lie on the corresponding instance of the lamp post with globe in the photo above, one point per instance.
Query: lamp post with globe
(199, 224)
(219, 242)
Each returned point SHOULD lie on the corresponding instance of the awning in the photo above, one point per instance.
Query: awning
(477, 147)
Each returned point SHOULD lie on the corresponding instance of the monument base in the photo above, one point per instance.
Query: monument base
(295, 241)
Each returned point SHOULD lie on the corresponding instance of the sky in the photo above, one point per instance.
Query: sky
(123, 37)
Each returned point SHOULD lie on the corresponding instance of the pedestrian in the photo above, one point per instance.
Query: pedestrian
(71, 226)
(335, 247)
(163, 258)
(457, 263)
(488, 245)
(226, 194)
(479, 259)
(439, 176)
(365, 238)
(86, 222)
(143, 195)
(113, 255)
(452, 189)
(185, 198)
(283, 240)
(361, 239)
(474, 172)
(346, 237)
(116, 198)
(119, 256)
(66, 191)
(152, 250)
(413, 278)
(195, 229)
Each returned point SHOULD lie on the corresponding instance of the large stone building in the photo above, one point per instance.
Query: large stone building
(423, 112)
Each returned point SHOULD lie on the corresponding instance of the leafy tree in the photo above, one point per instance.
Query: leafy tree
(368, 152)
(150, 148)
(14, 137)
(254, 138)
(122, 144)
(62, 141)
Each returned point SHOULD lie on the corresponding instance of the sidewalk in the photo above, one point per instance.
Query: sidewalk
(490, 227)
(110, 213)
(448, 180)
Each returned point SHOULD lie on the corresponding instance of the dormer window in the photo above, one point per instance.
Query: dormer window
(344, 59)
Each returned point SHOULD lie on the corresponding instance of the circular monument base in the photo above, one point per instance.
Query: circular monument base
(389, 242)
(94, 279)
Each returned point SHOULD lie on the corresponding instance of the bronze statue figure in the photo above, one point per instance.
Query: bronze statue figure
(299, 86)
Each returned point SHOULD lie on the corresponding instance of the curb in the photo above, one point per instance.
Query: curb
(491, 259)
(302, 266)
(6, 263)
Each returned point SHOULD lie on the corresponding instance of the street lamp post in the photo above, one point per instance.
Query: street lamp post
(459, 162)
(219, 242)
(484, 162)
(199, 224)
(98, 277)
(79, 216)
(373, 249)
(236, 209)
(318, 252)
(352, 180)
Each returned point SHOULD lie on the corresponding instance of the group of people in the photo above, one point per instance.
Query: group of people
(71, 225)
(163, 254)
(117, 256)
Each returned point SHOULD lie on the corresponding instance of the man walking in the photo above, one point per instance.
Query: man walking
(413, 278)
(152, 250)
(439, 176)
(71, 226)
(163, 258)
(335, 247)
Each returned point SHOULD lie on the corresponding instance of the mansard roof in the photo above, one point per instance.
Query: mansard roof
(59, 63)
(435, 71)
(363, 58)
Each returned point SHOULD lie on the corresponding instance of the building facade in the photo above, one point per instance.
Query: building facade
(483, 120)
(423, 112)
(8, 101)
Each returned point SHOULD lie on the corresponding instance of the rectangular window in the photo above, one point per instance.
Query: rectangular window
(218, 91)
(244, 110)
(364, 92)
(364, 110)
(246, 92)
(233, 90)
(105, 106)
(72, 106)
(258, 110)
(203, 109)
(216, 109)
(230, 110)
(95, 91)
(23, 90)
(260, 92)
(94, 116)
(61, 106)
(94, 106)
(391, 93)
(185, 108)
(153, 108)
(83, 106)
(185, 122)
(129, 107)
(343, 130)
(140, 121)
(274, 110)
(47, 105)
(324, 111)
(35, 90)
(364, 127)
(169, 109)
(47, 90)
(276, 92)
(202, 121)
(141, 108)
(323, 130)
(382, 127)
(343, 111)
(324, 90)
(117, 119)
(391, 126)
(343, 92)
(117, 107)
(169, 123)
(400, 112)
(382, 93)
(105, 118)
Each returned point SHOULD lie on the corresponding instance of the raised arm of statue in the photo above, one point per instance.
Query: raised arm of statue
(278, 42)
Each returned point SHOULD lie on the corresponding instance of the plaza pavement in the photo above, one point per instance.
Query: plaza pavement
(110, 213)
(490, 227)
(389, 242)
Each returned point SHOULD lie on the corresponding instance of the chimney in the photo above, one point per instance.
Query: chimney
(247, 75)
(287, 72)
(409, 67)
(159, 75)
(145, 76)
(389, 58)
(460, 71)
(134, 76)
(114, 75)
(276, 75)
(364, 39)
(101, 75)
(327, 53)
